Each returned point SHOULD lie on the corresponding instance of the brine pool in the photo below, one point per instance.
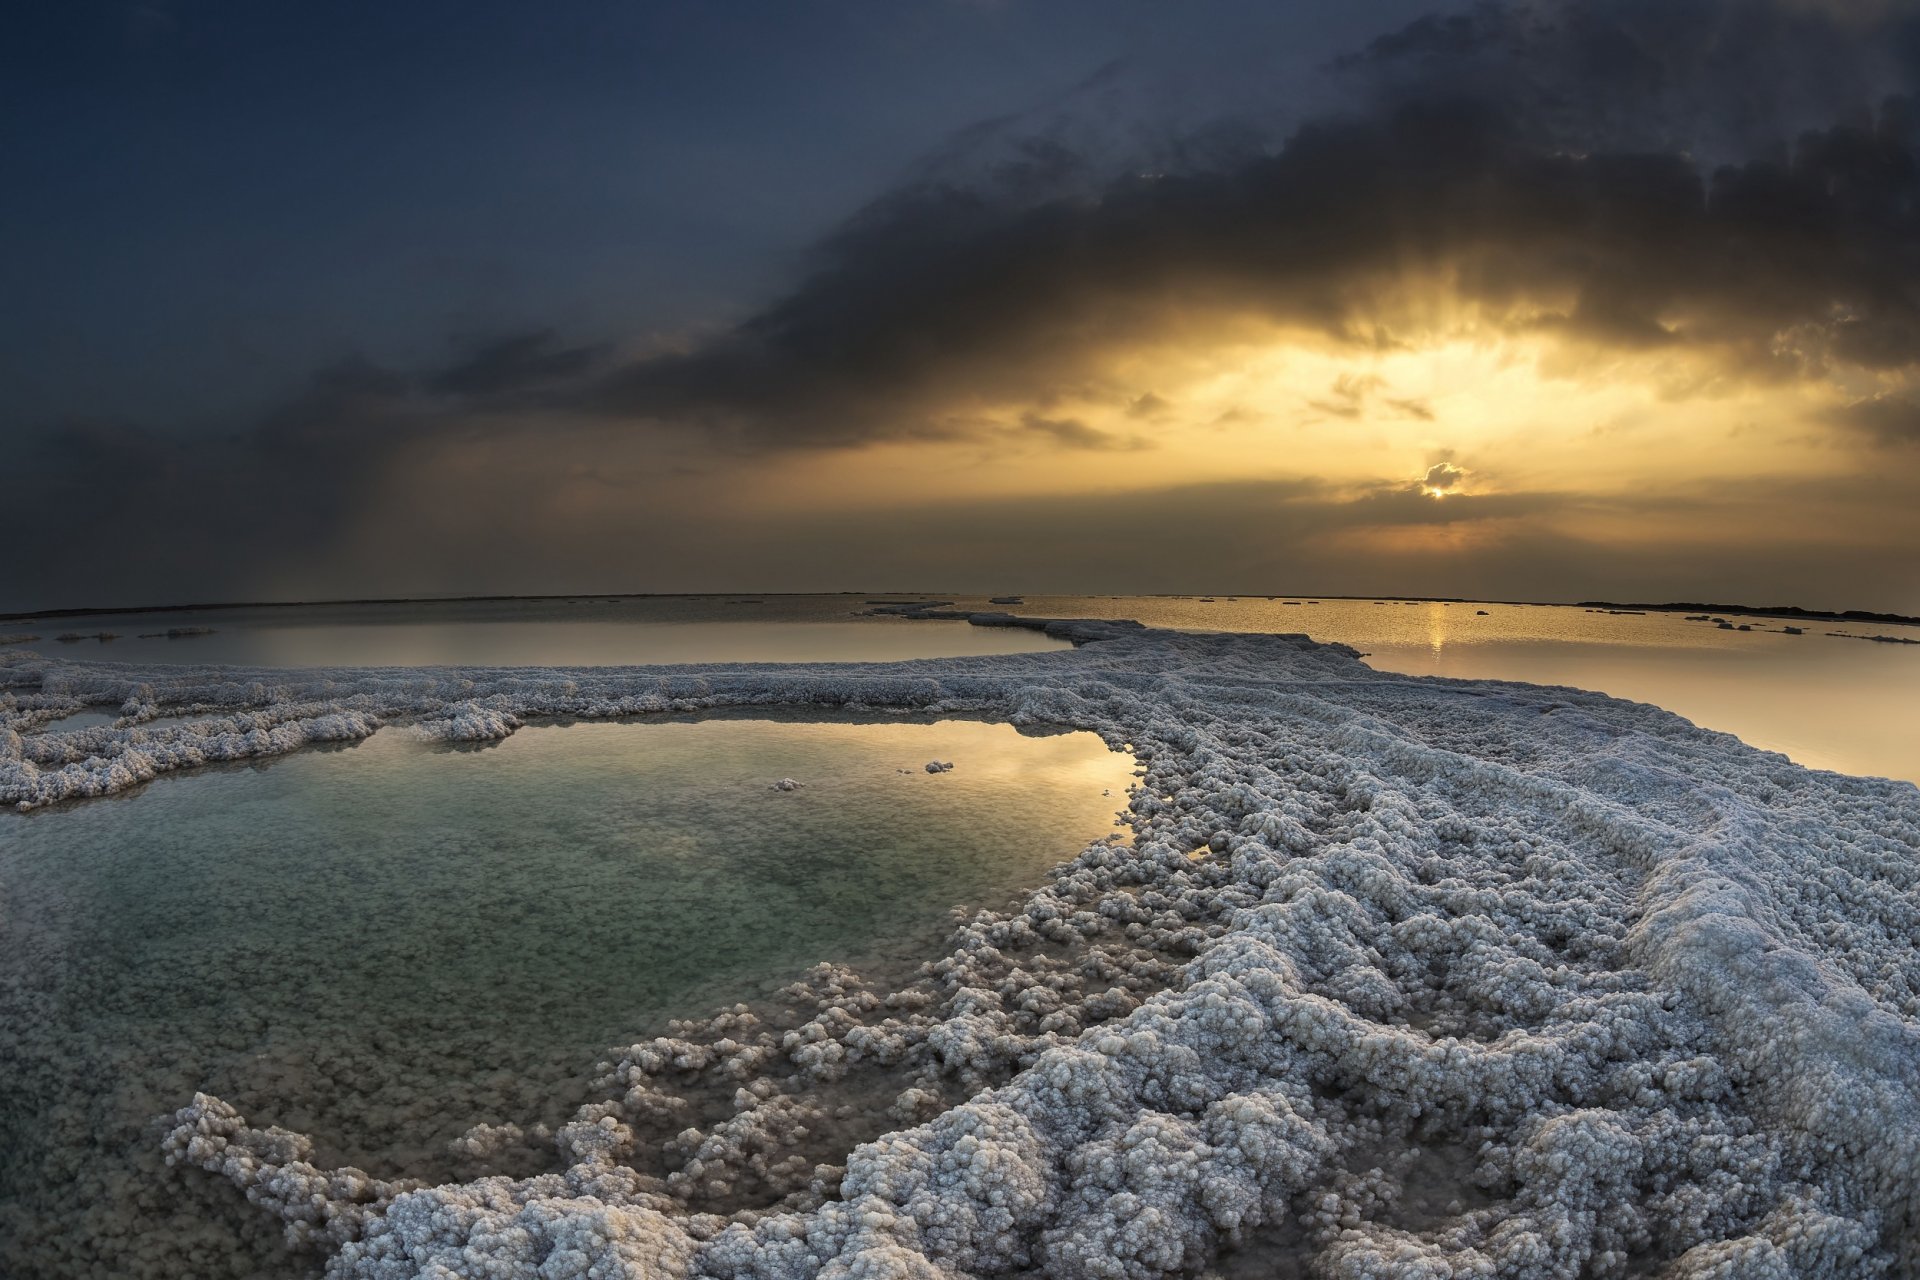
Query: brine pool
(386, 944)
(1828, 701)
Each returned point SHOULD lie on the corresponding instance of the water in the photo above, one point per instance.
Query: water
(1824, 701)
(386, 944)
(580, 631)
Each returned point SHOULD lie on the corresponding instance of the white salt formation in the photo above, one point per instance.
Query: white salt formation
(1395, 977)
(470, 721)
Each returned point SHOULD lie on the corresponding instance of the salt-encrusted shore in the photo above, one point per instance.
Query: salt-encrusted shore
(1395, 977)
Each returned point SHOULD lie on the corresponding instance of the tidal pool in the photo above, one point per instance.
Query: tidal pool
(386, 944)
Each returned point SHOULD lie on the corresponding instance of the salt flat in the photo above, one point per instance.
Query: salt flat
(1394, 976)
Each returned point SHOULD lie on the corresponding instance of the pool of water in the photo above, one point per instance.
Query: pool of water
(85, 720)
(386, 944)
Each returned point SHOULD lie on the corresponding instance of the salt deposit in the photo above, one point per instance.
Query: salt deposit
(1394, 976)
(469, 721)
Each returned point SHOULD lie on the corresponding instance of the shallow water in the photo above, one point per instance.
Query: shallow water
(584, 631)
(82, 720)
(386, 944)
(1825, 701)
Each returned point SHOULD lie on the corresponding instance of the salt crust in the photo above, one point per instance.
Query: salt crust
(1397, 977)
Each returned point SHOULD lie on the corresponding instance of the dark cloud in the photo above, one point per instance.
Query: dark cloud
(1148, 405)
(1726, 81)
(1348, 396)
(142, 511)
(1543, 159)
(1354, 396)
(1884, 419)
(518, 362)
(1733, 181)
(1072, 433)
(1510, 155)
(1442, 476)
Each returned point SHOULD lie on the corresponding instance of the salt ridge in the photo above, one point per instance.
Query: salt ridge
(1395, 976)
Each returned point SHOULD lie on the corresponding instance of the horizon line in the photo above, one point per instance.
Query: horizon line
(1666, 606)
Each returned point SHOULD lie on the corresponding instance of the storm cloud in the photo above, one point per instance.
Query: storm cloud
(1547, 172)
(1884, 419)
(1735, 183)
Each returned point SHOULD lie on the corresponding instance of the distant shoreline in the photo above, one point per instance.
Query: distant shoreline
(1752, 611)
(1762, 611)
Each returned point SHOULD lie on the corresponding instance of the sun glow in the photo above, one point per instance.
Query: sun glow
(1467, 415)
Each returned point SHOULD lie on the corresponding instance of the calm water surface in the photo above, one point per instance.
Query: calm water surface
(583, 631)
(387, 944)
(1828, 702)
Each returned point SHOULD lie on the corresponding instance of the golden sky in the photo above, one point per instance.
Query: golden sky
(1518, 313)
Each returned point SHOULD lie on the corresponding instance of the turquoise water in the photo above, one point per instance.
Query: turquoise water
(386, 944)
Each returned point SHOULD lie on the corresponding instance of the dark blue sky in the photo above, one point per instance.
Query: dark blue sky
(207, 200)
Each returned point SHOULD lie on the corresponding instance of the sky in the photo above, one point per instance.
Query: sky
(1549, 300)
